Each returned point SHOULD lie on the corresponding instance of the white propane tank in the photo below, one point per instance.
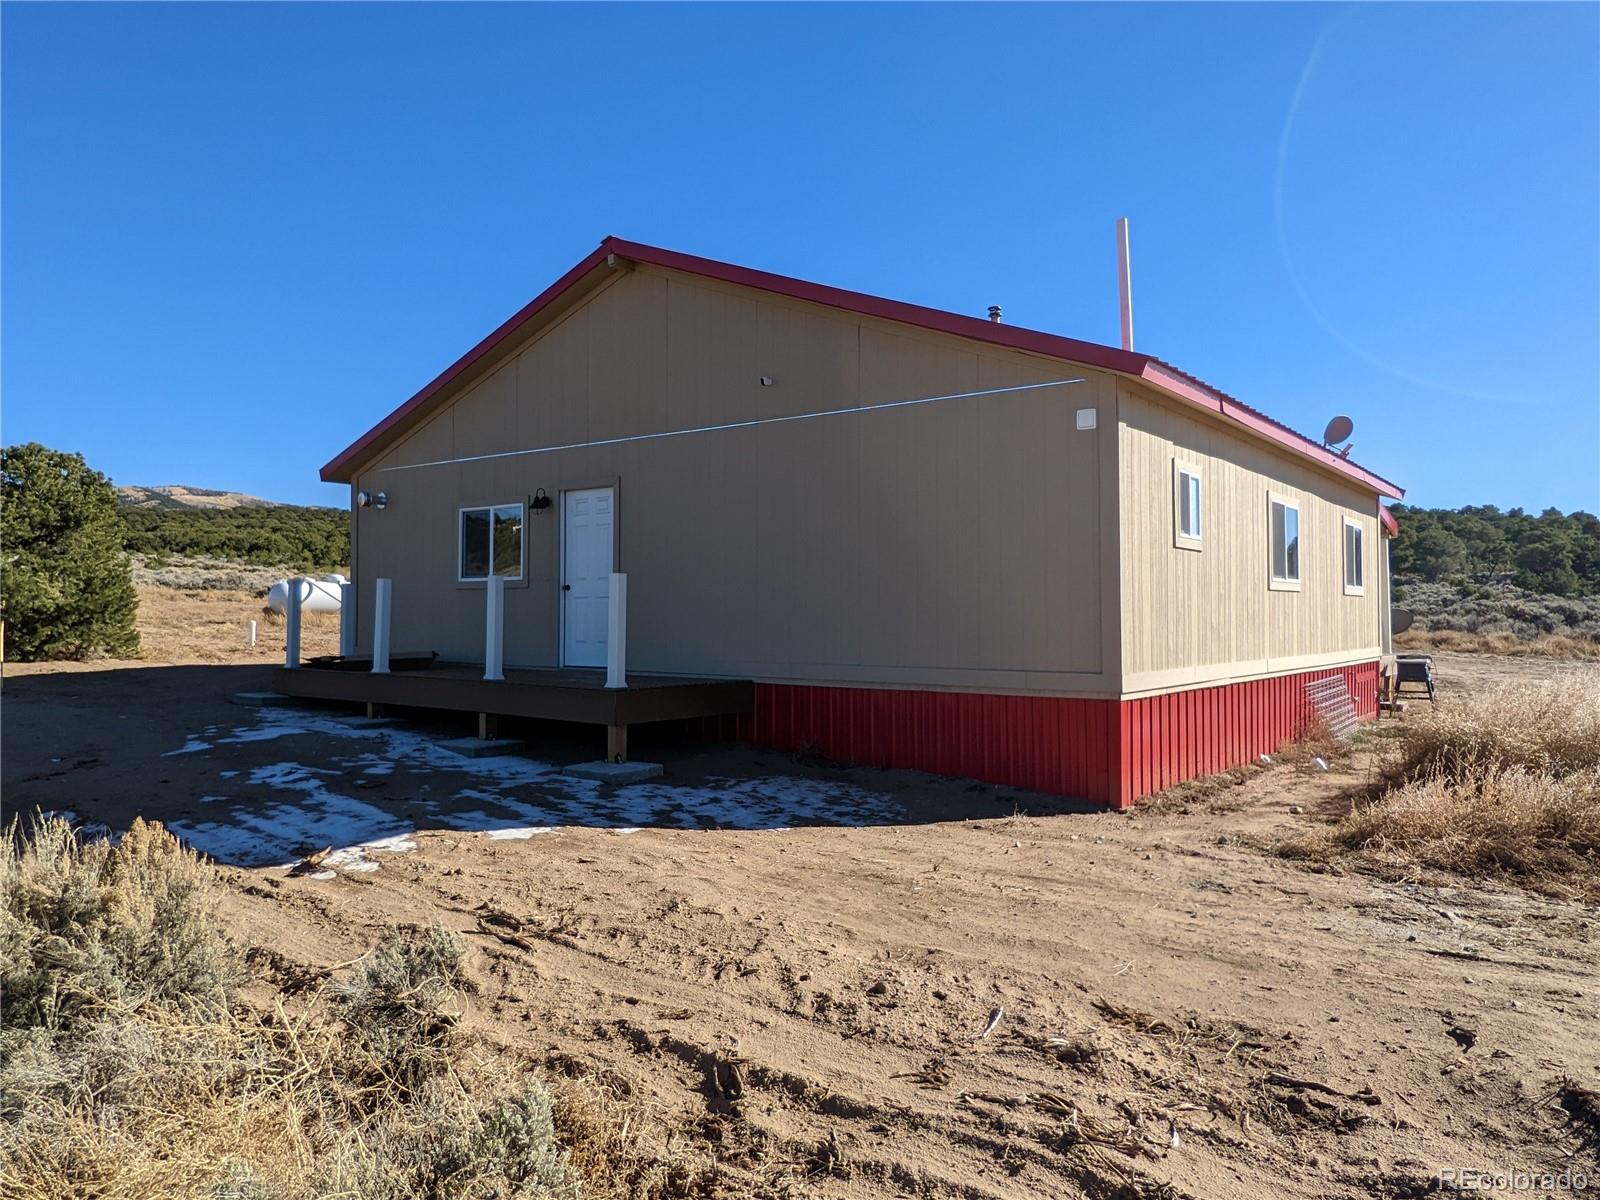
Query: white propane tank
(316, 595)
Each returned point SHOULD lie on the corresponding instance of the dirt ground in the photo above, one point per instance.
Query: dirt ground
(792, 966)
(179, 626)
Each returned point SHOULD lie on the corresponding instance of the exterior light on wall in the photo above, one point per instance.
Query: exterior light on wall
(372, 499)
(766, 381)
(540, 501)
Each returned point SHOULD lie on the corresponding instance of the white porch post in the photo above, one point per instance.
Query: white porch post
(291, 620)
(347, 620)
(494, 648)
(380, 627)
(617, 633)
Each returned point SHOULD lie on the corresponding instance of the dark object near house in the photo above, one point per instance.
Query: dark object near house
(1417, 670)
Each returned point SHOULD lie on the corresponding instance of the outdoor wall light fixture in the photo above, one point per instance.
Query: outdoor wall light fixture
(766, 381)
(540, 501)
(372, 499)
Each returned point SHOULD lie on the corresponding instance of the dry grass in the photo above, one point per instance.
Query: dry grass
(1541, 829)
(128, 1068)
(1315, 740)
(1551, 727)
(1545, 645)
(1503, 784)
(211, 627)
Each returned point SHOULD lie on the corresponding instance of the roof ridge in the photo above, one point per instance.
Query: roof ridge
(1171, 380)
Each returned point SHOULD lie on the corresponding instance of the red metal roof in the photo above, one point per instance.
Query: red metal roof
(1160, 375)
(1390, 525)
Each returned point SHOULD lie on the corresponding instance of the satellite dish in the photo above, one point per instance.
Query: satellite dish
(1400, 619)
(1340, 428)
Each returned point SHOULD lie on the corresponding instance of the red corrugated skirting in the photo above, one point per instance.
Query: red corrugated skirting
(1106, 751)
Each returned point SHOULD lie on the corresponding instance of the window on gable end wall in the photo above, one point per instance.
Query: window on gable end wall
(1284, 547)
(1187, 506)
(1355, 577)
(490, 539)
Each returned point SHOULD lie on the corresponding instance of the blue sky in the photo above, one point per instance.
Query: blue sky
(235, 236)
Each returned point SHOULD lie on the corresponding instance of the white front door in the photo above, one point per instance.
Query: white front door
(586, 540)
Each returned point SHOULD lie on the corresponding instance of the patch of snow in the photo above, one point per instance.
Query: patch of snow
(511, 797)
(191, 746)
(227, 774)
(254, 834)
(323, 875)
(401, 843)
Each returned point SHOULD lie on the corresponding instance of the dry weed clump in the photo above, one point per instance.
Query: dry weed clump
(129, 1069)
(1505, 783)
(1541, 829)
(1552, 727)
(1314, 740)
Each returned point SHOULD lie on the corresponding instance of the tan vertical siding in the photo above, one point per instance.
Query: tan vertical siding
(1200, 616)
(949, 545)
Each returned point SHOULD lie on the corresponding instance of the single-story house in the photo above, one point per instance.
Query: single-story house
(929, 540)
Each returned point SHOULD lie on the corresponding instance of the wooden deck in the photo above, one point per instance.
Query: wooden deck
(553, 695)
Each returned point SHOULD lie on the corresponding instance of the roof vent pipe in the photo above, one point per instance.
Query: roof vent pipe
(994, 313)
(1125, 283)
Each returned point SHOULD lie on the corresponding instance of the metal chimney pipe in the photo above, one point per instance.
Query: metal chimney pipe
(1125, 283)
(994, 313)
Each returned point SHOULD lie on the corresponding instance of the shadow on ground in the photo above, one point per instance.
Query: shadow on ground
(256, 786)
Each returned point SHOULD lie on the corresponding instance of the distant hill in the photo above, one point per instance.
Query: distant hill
(175, 495)
(162, 522)
(1554, 553)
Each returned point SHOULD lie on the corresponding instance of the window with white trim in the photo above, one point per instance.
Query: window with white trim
(1285, 538)
(1354, 563)
(490, 539)
(1186, 508)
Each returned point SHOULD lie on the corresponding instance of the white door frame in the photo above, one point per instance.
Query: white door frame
(561, 582)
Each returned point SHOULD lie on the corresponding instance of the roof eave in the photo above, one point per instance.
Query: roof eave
(1174, 383)
(1171, 381)
(341, 468)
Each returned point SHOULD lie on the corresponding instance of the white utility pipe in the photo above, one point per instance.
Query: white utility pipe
(252, 634)
(1125, 283)
(291, 635)
(617, 633)
(347, 620)
(380, 627)
(494, 642)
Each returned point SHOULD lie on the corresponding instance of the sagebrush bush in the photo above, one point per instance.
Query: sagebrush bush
(400, 1007)
(1498, 607)
(86, 925)
(129, 1069)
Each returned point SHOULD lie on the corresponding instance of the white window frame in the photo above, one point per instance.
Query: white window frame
(1359, 587)
(1180, 539)
(522, 541)
(1283, 583)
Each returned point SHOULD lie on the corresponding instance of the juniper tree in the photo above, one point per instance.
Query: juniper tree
(66, 590)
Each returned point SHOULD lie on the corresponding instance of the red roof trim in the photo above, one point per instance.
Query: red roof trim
(1390, 525)
(1186, 387)
(1158, 374)
(337, 468)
